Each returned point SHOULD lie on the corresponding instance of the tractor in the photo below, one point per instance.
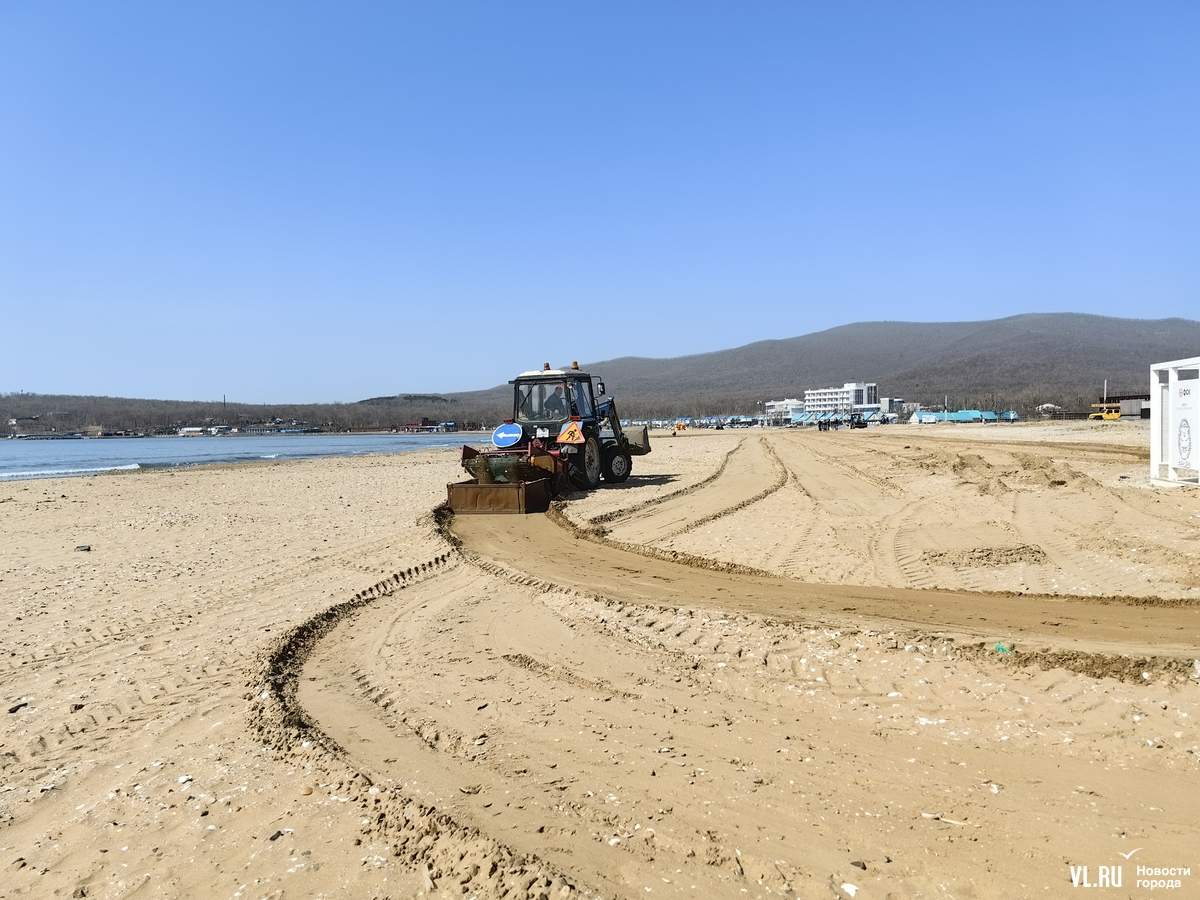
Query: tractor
(560, 436)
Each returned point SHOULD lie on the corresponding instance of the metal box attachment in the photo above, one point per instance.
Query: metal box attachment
(518, 497)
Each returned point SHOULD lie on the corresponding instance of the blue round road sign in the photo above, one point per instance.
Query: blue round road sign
(507, 435)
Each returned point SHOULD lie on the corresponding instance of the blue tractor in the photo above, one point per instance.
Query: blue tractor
(564, 432)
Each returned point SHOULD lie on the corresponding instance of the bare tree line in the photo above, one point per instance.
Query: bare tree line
(23, 413)
(45, 413)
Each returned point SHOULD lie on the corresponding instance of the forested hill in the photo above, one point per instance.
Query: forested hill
(1017, 362)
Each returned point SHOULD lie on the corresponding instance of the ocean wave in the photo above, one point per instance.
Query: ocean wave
(59, 473)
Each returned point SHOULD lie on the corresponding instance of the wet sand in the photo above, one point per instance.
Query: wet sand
(906, 662)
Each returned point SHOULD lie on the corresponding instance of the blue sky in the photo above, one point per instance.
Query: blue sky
(318, 202)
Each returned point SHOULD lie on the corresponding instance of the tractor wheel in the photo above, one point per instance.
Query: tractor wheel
(617, 466)
(585, 468)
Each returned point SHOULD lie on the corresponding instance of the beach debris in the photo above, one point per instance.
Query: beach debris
(938, 817)
(858, 863)
(471, 789)
(849, 888)
(16, 707)
(1000, 648)
(306, 790)
(84, 548)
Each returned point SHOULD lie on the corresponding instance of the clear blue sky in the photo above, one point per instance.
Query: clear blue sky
(315, 202)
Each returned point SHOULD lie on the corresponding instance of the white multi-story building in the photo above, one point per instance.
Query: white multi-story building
(781, 412)
(847, 398)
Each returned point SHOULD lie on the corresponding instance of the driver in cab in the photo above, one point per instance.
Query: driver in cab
(556, 403)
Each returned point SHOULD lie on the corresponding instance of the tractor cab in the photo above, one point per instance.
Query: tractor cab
(551, 396)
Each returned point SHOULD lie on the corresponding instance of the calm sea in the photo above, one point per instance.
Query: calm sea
(61, 458)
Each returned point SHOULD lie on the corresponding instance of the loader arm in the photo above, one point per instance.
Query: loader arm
(607, 409)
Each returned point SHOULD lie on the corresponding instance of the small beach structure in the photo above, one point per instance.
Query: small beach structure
(1174, 423)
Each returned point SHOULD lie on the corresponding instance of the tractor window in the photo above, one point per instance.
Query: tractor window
(525, 402)
(541, 402)
(581, 399)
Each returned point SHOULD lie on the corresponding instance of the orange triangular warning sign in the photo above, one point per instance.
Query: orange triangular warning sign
(571, 434)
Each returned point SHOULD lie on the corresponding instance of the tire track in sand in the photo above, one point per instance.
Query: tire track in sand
(626, 745)
(753, 472)
(533, 546)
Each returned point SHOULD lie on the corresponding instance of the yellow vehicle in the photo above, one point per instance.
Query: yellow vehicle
(1105, 412)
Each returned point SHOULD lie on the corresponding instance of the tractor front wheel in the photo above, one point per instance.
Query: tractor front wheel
(585, 467)
(617, 466)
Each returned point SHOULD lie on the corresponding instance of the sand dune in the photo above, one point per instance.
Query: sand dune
(896, 663)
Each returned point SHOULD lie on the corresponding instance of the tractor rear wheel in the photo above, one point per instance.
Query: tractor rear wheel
(617, 466)
(585, 467)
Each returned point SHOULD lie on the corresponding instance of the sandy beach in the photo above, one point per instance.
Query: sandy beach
(951, 661)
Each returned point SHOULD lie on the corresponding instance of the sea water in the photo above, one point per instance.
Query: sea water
(21, 459)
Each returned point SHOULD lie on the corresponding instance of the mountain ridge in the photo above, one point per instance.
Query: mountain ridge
(1016, 362)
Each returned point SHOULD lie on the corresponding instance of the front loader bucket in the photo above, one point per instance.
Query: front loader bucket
(513, 497)
(638, 439)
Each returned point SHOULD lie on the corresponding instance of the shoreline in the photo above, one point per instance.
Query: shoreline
(70, 459)
(107, 437)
